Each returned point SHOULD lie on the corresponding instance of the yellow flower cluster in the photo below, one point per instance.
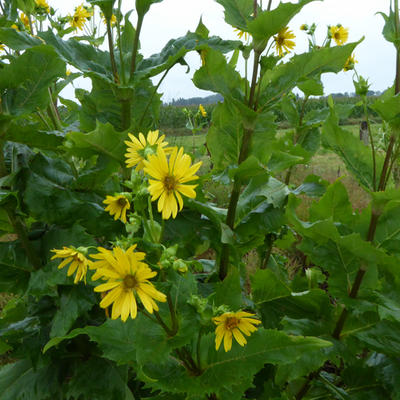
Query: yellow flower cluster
(80, 16)
(234, 325)
(339, 34)
(168, 169)
(127, 277)
(283, 42)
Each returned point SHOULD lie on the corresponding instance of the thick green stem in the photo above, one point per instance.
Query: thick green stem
(371, 138)
(121, 55)
(174, 319)
(53, 113)
(237, 185)
(111, 51)
(125, 114)
(136, 45)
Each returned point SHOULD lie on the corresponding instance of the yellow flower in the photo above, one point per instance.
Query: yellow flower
(127, 277)
(233, 324)
(117, 206)
(78, 260)
(283, 42)
(169, 180)
(2, 47)
(25, 20)
(350, 63)
(240, 34)
(203, 112)
(43, 4)
(113, 19)
(140, 149)
(104, 262)
(304, 27)
(79, 18)
(339, 34)
(15, 27)
(68, 72)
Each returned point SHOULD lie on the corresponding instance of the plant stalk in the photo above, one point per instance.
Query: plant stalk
(237, 185)
(136, 45)
(111, 51)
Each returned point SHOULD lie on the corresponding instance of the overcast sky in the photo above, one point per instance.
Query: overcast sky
(173, 18)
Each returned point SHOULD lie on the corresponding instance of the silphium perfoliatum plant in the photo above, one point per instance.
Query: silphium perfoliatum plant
(124, 280)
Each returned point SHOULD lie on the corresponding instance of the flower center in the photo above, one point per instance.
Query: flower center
(130, 282)
(231, 323)
(122, 202)
(169, 183)
(337, 35)
(280, 40)
(76, 19)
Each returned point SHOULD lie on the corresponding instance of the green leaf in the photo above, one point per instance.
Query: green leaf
(85, 58)
(20, 380)
(175, 50)
(389, 29)
(224, 137)
(266, 286)
(351, 150)
(311, 87)
(260, 189)
(284, 77)
(387, 106)
(32, 135)
(238, 12)
(4, 347)
(222, 371)
(229, 291)
(50, 196)
(334, 204)
(103, 140)
(98, 379)
(25, 80)
(18, 41)
(106, 6)
(115, 338)
(268, 23)
(143, 6)
(382, 338)
(218, 76)
(73, 303)
(14, 267)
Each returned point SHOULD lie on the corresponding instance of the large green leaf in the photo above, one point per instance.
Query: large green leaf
(31, 134)
(238, 12)
(20, 380)
(18, 40)
(218, 76)
(143, 6)
(73, 302)
(103, 140)
(50, 196)
(175, 50)
(84, 57)
(356, 156)
(222, 371)
(260, 189)
(224, 137)
(24, 82)
(285, 77)
(267, 23)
